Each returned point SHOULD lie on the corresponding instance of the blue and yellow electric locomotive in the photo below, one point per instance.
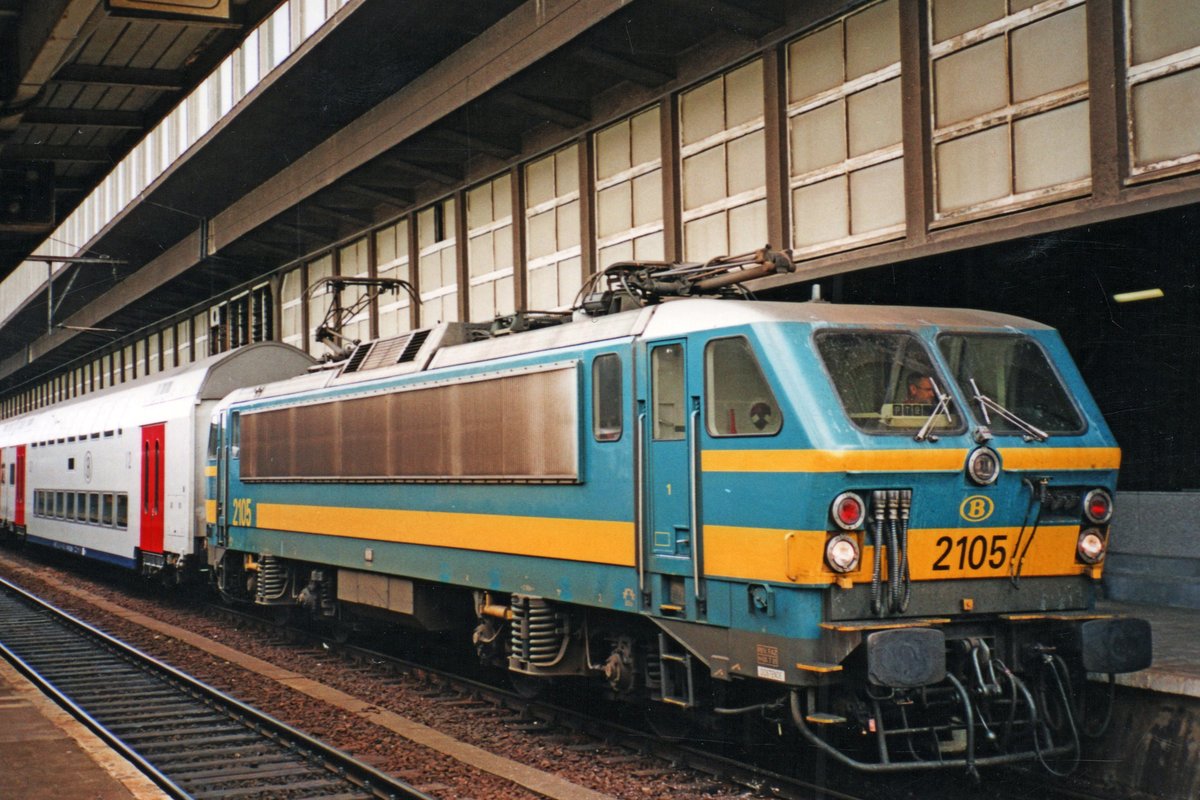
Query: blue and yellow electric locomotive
(867, 520)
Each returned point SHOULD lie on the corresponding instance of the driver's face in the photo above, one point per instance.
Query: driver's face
(921, 391)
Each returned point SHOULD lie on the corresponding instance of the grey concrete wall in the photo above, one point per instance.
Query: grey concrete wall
(1154, 549)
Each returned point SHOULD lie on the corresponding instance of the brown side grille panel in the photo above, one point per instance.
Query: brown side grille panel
(514, 427)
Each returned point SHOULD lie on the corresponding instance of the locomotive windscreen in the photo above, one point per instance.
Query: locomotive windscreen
(520, 426)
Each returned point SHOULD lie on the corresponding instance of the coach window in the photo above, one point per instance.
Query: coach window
(122, 511)
(666, 366)
(606, 397)
(94, 508)
(106, 510)
(60, 504)
(70, 514)
(739, 401)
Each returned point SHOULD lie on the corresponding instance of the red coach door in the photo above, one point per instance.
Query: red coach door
(153, 440)
(19, 488)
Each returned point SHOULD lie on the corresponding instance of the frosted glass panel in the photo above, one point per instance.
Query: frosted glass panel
(815, 63)
(744, 95)
(612, 150)
(541, 235)
(971, 82)
(479, 206)
(1166, 117)
(821, 212)
(502, 197)
(875, 118)
(539, 182)
(1049, 54)
(973, 169)
(481, 255)
(1052, 148)
(614, 253)
(646, 146)
(568, 224)
(614, 210)
(647, 198)
(704, 178)
(819, 138)
(702, 111)
(1163, 27)
(877, 197)
(648, 247)
(873, 39)
(747, 163)
(566, 165)
(483, 302)
(705, 238)
(952, 17)
(747, 227)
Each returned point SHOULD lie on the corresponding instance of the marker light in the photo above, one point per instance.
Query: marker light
(983, 466)
(1098, 506)
(1091, 546)
(848, 511)
(841, 553)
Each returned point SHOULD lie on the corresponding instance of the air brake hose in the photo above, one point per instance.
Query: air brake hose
(905, 581)
(894, 555)
(877, 499)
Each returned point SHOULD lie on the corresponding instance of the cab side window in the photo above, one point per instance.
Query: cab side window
(606, 397)
(738, 399)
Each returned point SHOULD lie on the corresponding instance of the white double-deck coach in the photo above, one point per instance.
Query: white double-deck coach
(118, 475)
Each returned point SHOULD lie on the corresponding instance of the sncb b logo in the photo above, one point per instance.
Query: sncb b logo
(976, 508)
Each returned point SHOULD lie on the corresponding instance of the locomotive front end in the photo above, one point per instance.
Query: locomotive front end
(967, 536)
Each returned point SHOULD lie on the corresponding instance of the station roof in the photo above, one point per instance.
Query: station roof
(394, 105)
(81, 82)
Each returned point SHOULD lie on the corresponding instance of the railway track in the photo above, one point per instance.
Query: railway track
(190, 739)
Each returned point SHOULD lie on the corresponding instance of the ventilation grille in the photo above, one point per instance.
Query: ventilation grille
(386, 352)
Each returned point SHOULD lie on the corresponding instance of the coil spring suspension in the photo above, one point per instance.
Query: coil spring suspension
(272, 581)
(539, 633)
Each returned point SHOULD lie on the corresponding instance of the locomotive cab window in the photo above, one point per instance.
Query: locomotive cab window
(887, 383)
(738, 399)
(1017, 386)
(669, 392)
(606, 397)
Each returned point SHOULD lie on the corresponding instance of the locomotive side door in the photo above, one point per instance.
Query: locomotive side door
(671, 546)
(153, 459)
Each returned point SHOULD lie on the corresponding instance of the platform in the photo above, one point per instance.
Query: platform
(1151, 750)
(46, 754)
(1176, 638)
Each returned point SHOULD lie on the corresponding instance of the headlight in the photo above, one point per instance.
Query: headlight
(841, 553)
(1091, 546)
(983, 466)
(1098, 506)
(848, 511)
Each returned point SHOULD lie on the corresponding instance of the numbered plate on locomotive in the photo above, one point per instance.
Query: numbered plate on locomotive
(990, 552)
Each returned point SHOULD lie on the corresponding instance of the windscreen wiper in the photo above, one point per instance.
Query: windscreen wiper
(942, 407)
(1031, 432)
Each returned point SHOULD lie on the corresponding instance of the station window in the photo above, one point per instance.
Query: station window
(552, 229)
(391, 254)
(353, 263)
(291, 316)
(629, 213)
(437, 263)
(1163, 85)
(1010, 97)
(724, 164)
(606, 397)
(490, 249)
(318, 301)
(739, 401)
(844, 129)
(669, 392)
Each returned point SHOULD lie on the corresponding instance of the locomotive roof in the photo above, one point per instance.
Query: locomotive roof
(450, 344)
